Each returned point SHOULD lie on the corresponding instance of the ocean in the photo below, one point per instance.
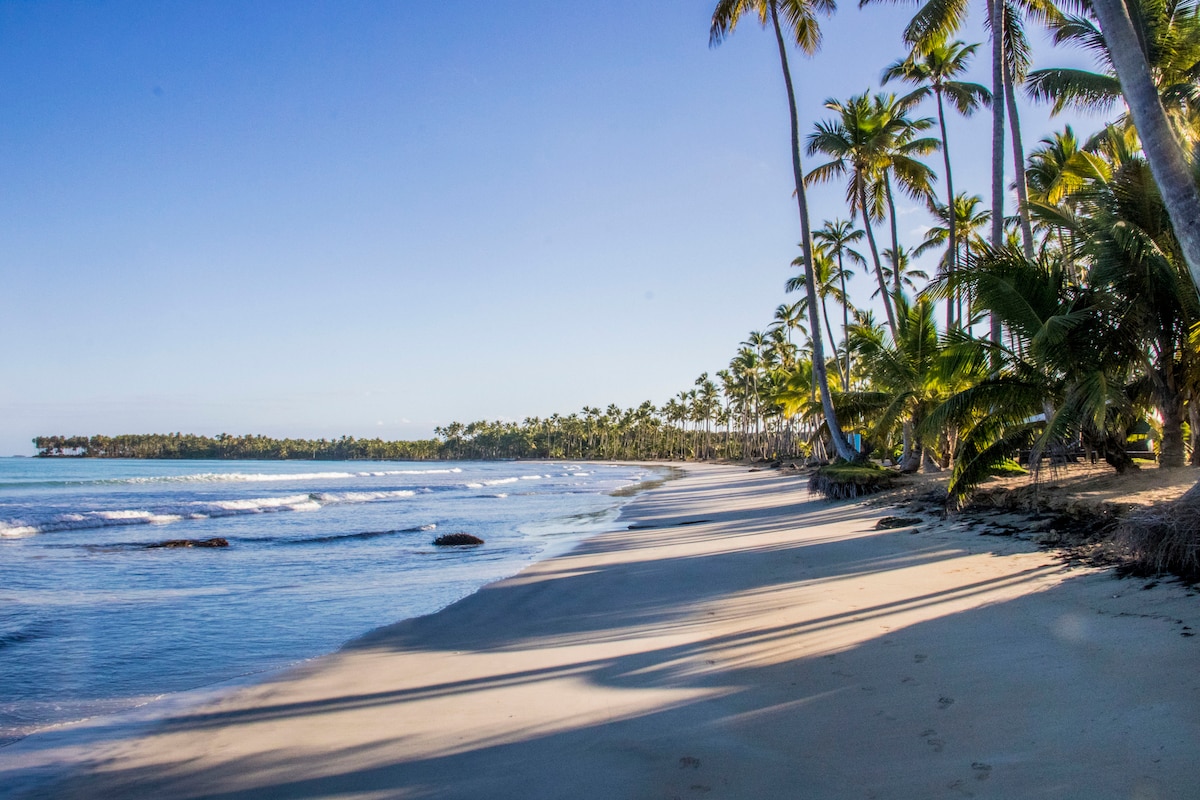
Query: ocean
(93, 620)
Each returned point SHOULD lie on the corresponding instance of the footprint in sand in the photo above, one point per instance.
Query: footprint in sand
(919, 657)
(930, 737)
(945, 702)
(958, 787)
(982, 771)
(687, 762)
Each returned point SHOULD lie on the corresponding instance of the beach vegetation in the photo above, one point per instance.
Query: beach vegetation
(844, 481)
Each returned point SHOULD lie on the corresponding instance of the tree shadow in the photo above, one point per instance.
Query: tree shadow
(735, 669)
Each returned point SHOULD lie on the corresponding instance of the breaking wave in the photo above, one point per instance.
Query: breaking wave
(232, 477)
(192, 510)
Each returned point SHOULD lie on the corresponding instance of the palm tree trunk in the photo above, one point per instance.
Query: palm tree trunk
(1166, 159)
(883, 290)
(887, 187)
(1018, 148)
(845, 322)
(839, 440)
(829, 330)
(1194, 417)
(996, 13)
(1170, 454)
(952, 218)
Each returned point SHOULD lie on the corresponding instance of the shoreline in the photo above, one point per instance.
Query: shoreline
(737, 638)
(143, 714)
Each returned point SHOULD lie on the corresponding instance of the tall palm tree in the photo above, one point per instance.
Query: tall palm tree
(855, 141)
(934, 68)
(1017, 57)
(836, 236)
(804, 31)
(1132, 66)
(968, 218)
(899, 160)
(1170, 32)
(790, 317)
(902, 270)
(829, 281)
(939, 19)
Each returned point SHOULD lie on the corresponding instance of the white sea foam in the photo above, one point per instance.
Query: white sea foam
(361, 497)
(194, 510)
(271, 477)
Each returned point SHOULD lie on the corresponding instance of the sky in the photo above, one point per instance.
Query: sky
(317, 219)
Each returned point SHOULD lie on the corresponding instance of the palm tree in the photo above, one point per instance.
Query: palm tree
(829, 280)
(934, 68)
(855, 140)
(937, 20)
(968, 219)
(899, 160)
(805, 32)
(790, 317)
(900, 270)
(836, 236)
(1131, 64)
(1134, 257)
(910, 377)
(1170, 31)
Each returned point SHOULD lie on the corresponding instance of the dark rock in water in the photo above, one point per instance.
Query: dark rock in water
(897, 522)
(451, 539)
(214, 542)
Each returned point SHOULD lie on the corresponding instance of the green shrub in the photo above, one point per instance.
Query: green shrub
(1007, 468)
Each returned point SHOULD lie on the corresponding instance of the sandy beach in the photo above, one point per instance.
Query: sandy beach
(740, 640)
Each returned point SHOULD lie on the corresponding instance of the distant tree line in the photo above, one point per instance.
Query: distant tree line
(740, 422)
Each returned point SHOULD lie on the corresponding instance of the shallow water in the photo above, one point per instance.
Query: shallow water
(92, 620)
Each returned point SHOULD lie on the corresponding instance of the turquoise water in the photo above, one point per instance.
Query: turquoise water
(94, 621)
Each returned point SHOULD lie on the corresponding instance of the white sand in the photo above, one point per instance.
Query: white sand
(779, 648)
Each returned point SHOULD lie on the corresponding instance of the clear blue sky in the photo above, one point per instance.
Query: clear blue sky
(371, 218)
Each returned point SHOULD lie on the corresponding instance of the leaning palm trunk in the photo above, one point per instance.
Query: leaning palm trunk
(1163, 153)
(896, 276)
(952, 218)
(845, 323)
(884, 295)
(840, 444)
(1180, 196)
